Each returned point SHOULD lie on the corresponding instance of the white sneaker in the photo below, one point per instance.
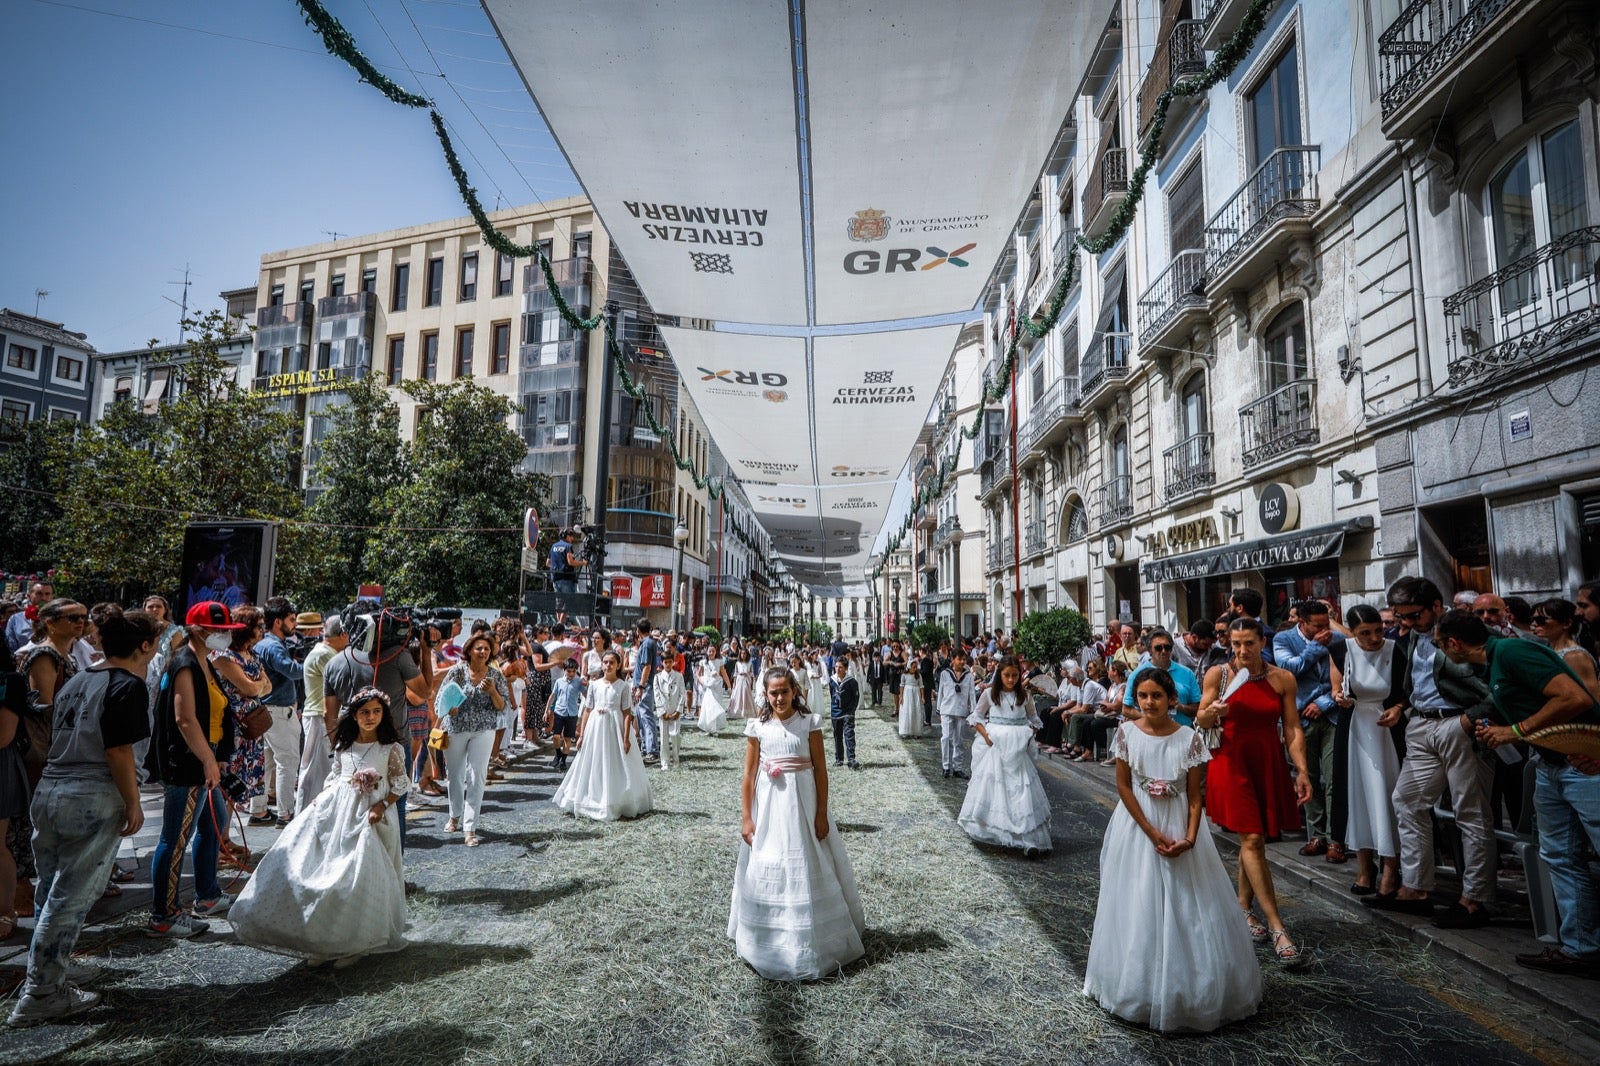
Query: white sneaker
(212, 908)
(64, 1004)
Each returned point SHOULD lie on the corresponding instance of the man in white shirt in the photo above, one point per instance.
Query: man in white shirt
(955, 700)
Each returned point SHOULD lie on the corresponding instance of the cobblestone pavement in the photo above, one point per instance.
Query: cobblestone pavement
(561, 941)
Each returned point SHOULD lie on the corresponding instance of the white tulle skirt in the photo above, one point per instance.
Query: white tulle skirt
(909, 722)
(1169, 948)
(713, 713)
(605, 783)
(1006, 802)
(796, 915)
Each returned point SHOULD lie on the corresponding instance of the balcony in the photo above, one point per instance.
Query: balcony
(947, 530)
(1189, 467)
(1176, 58)
(283, 326)
(574, 276)
(1219, 18)
(639, 527)
(1034, 541)
(1533, 308)
(999, 554)
(1105, 363)
(1436, 47)
(1115, 501)
(995, 473)
(351, 303)
(1175, 301)
(1107, 186)
(925, 560)
(1272, 209)
(1049, 418)
(1060, 254)
(1280, 424)
(727, 584)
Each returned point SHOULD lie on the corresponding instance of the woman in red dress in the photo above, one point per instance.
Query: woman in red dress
(1248, 790)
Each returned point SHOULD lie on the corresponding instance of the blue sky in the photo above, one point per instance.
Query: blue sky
(133, 149)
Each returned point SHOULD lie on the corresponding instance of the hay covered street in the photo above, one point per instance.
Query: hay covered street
(580, 942)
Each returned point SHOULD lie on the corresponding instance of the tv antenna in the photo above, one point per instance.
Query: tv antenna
(183, 305)
(38, 295)
(335, 234)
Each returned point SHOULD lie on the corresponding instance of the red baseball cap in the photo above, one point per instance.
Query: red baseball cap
(212, 615)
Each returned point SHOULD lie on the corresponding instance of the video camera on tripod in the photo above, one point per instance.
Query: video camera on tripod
(373, 626)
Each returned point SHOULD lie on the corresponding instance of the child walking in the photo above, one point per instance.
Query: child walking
(1167, 951)
(562, 709)
(955, 700)
(332, 889)
(607, 780)
(1006, 803)
(796, 915)
(671, 699)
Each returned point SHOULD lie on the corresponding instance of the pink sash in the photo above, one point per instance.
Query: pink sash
(785, 764)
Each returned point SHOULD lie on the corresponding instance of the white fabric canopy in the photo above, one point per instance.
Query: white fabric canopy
(793, 168)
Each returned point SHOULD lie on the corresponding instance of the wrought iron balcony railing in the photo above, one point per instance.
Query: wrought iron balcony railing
(1420, 44)
(1116, 500)
(1105, 361)
(1283, 186)
(1181, 285)
(1189, 466)
(1107, 179)
(1177, 57)
(1033, 539)
(1059, 403)
(1282, 421)
(1526, 309)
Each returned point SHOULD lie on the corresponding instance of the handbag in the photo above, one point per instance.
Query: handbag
(438, 739)
(254, 719)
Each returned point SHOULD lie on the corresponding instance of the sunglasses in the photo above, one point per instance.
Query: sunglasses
(1406, 616)
(74, 619)
(1161, 647)
(1540, 619)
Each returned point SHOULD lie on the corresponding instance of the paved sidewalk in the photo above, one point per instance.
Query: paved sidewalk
(1490, 952)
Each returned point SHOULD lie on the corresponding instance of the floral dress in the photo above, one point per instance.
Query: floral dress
(249, 761)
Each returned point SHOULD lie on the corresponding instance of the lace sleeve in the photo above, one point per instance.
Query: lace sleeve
(1119, 744)
(1197, 754)
(399, 780)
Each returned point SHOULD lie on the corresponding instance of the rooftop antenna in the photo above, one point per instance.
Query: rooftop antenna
(335, 234)
(183, 306)
(38, 295)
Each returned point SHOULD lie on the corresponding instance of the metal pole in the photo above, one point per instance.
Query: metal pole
(1016, 497)
(602, 472)
(716, 613)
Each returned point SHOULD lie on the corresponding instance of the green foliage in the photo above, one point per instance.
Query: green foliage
(800, 633)
(1050, 636)
(465, 474)
(709, 631)
(28, 477)
(128, 486)
(929, 635)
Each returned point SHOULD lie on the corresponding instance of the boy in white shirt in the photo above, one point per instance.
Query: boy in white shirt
(956, 697)
(671, 699)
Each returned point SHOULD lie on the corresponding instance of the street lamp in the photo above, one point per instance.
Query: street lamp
(955, 541)
(680, 537)
(895, 584)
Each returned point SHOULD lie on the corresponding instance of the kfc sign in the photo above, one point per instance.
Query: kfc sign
(656, 591)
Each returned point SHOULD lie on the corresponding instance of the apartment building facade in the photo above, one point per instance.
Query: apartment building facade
(1343, 339)
(46, 370)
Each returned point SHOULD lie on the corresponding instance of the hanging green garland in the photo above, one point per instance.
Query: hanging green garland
(340, 43)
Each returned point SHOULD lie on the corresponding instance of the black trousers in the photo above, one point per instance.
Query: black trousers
(844, 738)
(877, 691)
(927, 704)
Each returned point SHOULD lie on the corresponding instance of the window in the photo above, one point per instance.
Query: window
(275, 296)
(402, 285)
(1036, 374)
(308, 290)
(324, 355)
(1186, 211)
(1069, 352)
(68, 368)
(1286, 349)
(1533, 200)
(1074, 521)
(505, 272)
(435, 283)
(123, 390)
(581, 243)
(336, 285)
(1193, 406)
(21, 358)
(502, 347)
(62, 414)
(430, 357)
(369, 281)
(464, 353)
(469, 276)
(397, 358)
(15, 411)
(1274, 108)
(1119, 453)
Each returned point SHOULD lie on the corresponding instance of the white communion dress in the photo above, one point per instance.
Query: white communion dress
(1373, 765)
(606, 783)
(908, 722)
(796, 915)
(333, 887)
(1169, 950)
(1006, 802)
(713, 709)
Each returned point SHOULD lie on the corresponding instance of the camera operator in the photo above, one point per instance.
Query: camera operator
(566, 559)
(391, 669)
(283, 738)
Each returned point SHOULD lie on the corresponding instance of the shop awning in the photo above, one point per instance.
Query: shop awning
(1290, 549)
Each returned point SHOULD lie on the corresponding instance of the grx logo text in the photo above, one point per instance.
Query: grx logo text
(744, 377)
(904, 260)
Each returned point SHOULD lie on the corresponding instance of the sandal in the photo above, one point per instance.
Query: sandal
(472, 840)
(430, 789)
(113, 890)
(452, 826)
(1288, 954)
(1258, 928)
(122, 875)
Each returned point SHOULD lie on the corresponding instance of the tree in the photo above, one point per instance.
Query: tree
(361, 460)
(1050, 636)
(712, 632)
(928, 635)
(28, 477)
(131, 484)
(462, 499)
